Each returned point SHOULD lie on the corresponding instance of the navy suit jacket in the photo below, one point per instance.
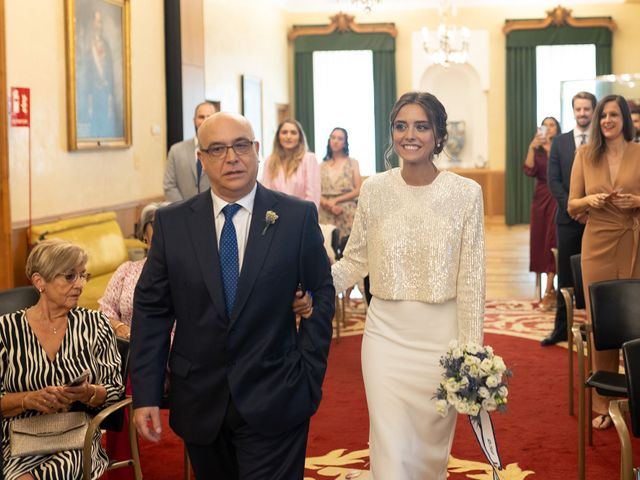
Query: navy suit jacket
(272, 373)
(563, 151)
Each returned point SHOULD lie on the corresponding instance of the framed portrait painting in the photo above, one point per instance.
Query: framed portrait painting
(98, 74)
(252, 103)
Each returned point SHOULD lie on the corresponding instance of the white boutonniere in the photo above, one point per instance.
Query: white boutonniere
(269, 219)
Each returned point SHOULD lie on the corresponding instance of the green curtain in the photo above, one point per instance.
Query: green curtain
(383, 47)
(384, 95)
(304, 95)
(521, 121)
(521, 101)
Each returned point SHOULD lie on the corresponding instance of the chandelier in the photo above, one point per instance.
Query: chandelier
(452, 42)
(366, 5)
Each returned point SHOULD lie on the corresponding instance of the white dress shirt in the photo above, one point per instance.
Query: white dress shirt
(241, 220)
(577, 136)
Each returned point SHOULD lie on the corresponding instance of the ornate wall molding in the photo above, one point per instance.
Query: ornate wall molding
(558, 17)
(342, 22)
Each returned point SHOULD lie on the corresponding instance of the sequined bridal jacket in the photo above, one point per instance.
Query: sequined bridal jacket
(423, 243)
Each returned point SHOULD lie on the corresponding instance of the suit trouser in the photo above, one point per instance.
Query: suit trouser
(241, 453)
(569, 243)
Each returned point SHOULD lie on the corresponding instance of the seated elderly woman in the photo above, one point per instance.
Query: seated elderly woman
(117, 301)
(43, 348)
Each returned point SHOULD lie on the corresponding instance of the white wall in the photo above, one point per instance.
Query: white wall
(66, 182)
(246, 37)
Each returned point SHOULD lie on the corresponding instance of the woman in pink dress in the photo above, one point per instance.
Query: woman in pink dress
(543, 209)
(291, 168)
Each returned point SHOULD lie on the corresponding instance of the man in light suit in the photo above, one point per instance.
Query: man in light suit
(244, 381)
(569, 230)
(183, 177)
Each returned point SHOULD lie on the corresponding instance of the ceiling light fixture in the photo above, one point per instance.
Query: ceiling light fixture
(452, 42)
(366, 5)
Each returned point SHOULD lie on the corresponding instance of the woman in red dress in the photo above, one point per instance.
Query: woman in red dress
(543, 208)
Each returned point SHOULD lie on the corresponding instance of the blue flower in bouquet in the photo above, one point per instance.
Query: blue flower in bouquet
(474, 378)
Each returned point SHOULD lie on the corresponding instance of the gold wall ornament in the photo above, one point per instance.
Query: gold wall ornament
(558, 17)
(342, 22)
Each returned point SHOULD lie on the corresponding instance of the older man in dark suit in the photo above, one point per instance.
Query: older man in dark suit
(226, 265)
(569, 230)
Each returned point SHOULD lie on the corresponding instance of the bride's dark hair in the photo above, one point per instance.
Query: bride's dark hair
(436, 114)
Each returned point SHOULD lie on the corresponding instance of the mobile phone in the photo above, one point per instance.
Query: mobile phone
(79, 379)
(542, 131)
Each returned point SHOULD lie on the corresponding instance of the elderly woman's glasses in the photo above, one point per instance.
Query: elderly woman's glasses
(71, 277)
(219, 150)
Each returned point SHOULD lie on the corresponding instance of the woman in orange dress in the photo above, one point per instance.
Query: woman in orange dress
(605, 182)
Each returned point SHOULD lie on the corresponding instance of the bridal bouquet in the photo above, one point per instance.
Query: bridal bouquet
(474, 383)
(474, 378)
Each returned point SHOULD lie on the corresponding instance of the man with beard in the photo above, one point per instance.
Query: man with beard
(569, 231)
(183, 177)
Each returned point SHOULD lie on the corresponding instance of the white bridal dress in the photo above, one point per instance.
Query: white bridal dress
(423, 248)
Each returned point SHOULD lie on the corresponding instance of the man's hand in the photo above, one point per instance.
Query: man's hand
(145, 417)
(302, 304)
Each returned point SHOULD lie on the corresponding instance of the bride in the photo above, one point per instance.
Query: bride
(418, 232)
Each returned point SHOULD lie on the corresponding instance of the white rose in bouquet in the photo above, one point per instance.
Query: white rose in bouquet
(492, 381)
(489, 404)
(484, 392)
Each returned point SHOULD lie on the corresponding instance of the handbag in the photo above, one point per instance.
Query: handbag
(44, 434)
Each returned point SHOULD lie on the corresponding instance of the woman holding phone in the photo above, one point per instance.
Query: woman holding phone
(605, 182)
(543, 209)
(53, 356)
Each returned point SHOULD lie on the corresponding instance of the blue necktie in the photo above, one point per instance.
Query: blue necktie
(229, 262)
(199, 170)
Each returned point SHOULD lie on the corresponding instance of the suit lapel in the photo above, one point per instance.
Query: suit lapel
(257, 247)
(202, 229)
(192, 161)
(571, 144)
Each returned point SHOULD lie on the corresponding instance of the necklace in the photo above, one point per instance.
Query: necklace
(54, 329)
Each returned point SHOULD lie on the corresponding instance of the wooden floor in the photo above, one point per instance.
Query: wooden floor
(507, 250)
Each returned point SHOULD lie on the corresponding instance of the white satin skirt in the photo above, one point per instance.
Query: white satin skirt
(401, 349)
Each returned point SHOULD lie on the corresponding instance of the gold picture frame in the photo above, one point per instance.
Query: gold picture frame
(98, 51)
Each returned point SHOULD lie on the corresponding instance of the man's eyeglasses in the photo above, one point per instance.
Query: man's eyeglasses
(219, 150)
(71, 277)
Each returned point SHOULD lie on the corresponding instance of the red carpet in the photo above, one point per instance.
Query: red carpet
(536, 437)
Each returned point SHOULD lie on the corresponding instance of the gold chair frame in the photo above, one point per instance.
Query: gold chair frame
(619, 409)
(134, 461)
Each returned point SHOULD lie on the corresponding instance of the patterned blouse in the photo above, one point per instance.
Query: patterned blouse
(117, 301)
(334, 187)
(89, 342)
